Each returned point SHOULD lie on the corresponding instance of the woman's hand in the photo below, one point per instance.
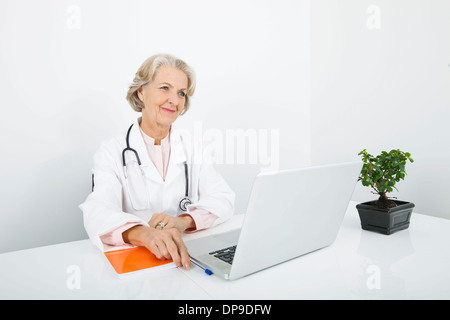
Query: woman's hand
(182, 222)
(164, 244)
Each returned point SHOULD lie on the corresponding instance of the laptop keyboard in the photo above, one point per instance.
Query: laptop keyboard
(226, 254)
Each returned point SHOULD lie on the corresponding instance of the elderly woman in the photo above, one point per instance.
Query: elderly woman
(148, 186)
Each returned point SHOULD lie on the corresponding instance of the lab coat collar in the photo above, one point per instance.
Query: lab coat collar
(150, 141)
(177, 154)
(177, 147)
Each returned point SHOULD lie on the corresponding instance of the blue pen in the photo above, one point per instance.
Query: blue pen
(207, 271)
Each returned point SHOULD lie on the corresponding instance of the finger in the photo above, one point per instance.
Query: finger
(182, 249)
(161, 221)
(162, 248)
(169, 222)
(165, 223)
(155, 219)
(173, 251)
(160, 225)
(154, 249)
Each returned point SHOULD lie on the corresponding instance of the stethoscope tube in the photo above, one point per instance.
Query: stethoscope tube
(129, 149)
(185, 201)
(186, 194)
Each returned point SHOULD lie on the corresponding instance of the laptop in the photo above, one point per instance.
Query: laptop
(290, 213)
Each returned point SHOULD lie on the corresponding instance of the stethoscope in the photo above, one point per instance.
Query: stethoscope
(184, 202)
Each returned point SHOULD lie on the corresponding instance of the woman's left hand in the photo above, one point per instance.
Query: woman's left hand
(182, 222)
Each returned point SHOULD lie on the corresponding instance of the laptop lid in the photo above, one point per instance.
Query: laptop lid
(290, 213)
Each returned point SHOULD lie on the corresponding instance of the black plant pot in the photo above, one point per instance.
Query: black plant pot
(386, 221)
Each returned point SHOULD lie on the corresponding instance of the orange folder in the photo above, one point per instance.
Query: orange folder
(127, 261)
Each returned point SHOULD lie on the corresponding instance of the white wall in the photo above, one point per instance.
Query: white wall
(64, 71)
(380, 80)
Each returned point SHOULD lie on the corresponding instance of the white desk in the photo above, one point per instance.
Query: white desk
(409, 264)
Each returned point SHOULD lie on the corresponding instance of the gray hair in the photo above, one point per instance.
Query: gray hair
(147, 72)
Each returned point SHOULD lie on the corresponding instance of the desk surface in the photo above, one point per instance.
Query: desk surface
(409, 264)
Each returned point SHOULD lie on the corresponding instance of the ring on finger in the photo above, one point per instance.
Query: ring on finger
(161, 224)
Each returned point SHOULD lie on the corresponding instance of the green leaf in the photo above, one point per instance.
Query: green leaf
(385, 170)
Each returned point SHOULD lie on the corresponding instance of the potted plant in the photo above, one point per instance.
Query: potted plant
(381, 173)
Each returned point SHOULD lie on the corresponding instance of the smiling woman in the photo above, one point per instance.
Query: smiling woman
(147, 73)
(140, 177)
(161, 90)
(163, 100)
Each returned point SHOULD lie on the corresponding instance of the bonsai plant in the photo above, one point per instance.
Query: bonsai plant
(381, 173)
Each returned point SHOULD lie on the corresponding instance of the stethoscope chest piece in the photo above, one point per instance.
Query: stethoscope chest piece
(184, 203)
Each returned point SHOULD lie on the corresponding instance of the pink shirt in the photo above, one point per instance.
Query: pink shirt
(159, 154)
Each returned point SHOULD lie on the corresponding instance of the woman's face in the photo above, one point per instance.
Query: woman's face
(164, 97)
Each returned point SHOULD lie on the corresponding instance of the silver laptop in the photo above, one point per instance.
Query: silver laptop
(290, 213)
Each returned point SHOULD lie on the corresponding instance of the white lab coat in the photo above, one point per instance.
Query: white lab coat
(108, 206)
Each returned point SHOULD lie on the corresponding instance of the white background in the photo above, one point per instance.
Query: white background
(384, 89)
(313, 70)
(65, 70)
